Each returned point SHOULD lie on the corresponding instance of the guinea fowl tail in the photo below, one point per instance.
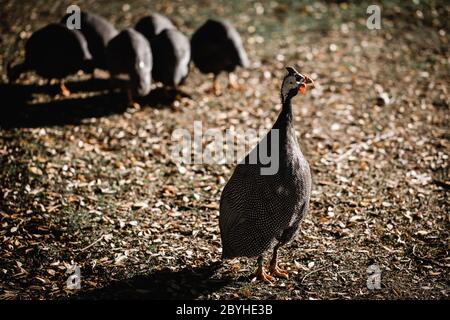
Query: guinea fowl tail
(14, 72)
(226, 254)
(227, 251)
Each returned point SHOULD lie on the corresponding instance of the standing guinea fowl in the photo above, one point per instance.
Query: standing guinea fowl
(216, 47)
(171, 56)
(54, 52)
(98, 32)
(261, 211)
(152, 25)
(129, 53)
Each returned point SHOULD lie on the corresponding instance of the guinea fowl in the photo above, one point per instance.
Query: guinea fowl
(152, 25)
(98, 32)
(54, 52)
(171, 56)
(216, 47)
(262, 210)
(129, 53)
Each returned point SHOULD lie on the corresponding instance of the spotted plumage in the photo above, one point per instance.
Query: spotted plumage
(98, 32)
(217, 46)
(152, 25)
(259, 212)
(129, 53)
(171, 54)
(54, 52)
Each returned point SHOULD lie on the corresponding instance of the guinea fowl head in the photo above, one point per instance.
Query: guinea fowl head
(293, 83)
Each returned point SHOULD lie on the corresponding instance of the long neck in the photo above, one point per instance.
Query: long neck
(285, 118)
(286, 130)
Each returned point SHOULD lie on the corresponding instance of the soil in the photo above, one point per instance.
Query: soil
(87, 182)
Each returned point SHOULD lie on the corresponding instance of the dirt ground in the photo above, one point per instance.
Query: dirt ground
(87, 182)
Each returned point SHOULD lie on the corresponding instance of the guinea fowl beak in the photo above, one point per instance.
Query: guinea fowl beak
(308, 81)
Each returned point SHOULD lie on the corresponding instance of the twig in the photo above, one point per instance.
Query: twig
(93, 243)
(309, 273)
(427, 260)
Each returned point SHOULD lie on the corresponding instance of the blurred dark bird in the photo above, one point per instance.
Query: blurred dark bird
(152, 25)
(262, 205)
(216, 47)
(54, 52)
(171, 56)
(129, 53)
(98, 32)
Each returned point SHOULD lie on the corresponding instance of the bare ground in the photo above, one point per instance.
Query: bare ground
(85, 181)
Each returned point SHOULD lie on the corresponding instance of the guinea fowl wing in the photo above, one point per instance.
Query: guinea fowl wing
(142, 68)
(98, 32)
(183, 54)
(240, 229)
(255, 209)
(55, 51)
(236, 47)
(129, 53)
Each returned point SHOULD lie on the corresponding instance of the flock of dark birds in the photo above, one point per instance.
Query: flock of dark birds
(258, 212)
(153, 50)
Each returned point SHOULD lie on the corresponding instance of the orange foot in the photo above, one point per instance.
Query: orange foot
(263, 276)
(277, 272)
(232, 82)
(214, 89)
(134, 105)
(233, 85)
(63, 90)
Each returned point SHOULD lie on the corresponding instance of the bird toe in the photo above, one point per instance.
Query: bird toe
(278, 273)
(261, 275)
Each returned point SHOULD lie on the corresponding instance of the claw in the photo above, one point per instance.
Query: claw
(277, 272)
(130, 101)
(261, 275)
(215, 88)
(232, 82)
(134, 105)
(63, 90)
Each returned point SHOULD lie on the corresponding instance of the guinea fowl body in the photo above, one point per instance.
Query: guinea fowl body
(171, 54)
(54, 52)
(129, 53)
(152, 25)
(257, 211)
(216, 47)
(98, 32)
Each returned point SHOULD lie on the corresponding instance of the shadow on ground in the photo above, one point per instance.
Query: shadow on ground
(188, 283)
(19, 112)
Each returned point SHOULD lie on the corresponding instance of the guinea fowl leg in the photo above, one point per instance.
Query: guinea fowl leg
(273, 268)
(216, 85)
(131, 102)
(260, 273)
(174, 93)
(215, 89)
(63, 89)
(232, 82)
